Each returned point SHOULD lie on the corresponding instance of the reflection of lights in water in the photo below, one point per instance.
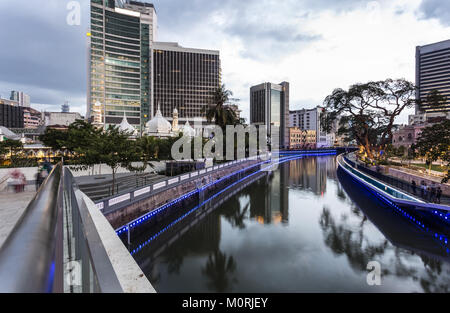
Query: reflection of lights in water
(277, 218)
(260, 220)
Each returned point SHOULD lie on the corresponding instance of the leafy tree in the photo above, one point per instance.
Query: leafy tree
(219, 111)
(434, 144)
(115, 149)
(54, 138)
(367, 112)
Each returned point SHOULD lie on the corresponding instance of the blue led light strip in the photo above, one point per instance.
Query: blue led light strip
(149, 215)
(141, 246)
(441, 239)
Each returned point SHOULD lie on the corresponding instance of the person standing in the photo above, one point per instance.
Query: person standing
(433, 193)
(413, 184)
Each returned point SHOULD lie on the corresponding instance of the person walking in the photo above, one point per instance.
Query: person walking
(413, 185)
(424, 191)
(438, 195)
(433, 193)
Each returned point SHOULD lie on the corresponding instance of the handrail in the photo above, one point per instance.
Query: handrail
(88, 244)
(31, 255)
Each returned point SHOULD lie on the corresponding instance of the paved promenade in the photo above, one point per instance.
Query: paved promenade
(12, 205)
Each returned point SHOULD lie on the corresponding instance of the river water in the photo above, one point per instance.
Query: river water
(306, 227)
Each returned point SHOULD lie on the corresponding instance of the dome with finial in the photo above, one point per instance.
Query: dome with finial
(187, 130)
(158, 125)
(126, 127)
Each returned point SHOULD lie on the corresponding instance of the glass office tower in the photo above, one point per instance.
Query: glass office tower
(269, 106)
(120, 66)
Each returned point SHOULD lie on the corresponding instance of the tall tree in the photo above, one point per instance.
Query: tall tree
(434, 144)
(218, 111)
(54, 138)
(116, 150)
(367, 112)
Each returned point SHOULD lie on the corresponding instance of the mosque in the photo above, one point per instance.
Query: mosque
(159, 127)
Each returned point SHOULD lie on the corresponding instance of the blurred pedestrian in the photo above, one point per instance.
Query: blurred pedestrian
(438, 194)
(413, 184)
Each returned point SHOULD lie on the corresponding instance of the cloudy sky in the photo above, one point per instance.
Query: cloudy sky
(316, 45)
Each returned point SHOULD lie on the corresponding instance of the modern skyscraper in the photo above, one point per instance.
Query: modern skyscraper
(269, 106)
(22, 98)
(433, 73)
(185, 79)
(121, 35)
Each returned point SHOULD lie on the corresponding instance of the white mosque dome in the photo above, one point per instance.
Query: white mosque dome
(126, 127)
(158, 125)
(187, 130)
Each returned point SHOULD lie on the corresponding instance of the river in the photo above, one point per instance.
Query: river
(305, 227)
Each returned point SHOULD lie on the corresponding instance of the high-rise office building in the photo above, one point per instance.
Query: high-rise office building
(120, 66)
(22, 98)
(433, 73)
(269, 106)
(11, 114)
(185, 79)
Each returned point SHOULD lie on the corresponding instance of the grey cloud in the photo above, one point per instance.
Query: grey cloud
(42, 55)
(439, 9)
(46, 58)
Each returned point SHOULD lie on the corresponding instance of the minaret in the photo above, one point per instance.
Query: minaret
(175, 120)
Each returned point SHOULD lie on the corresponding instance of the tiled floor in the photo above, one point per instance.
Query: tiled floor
(12, 205)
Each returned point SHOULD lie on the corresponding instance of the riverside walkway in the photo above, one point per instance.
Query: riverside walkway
(383, 189)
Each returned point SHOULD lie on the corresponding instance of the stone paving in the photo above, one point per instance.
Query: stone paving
(12, 205)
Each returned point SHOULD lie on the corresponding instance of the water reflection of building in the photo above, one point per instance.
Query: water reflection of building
(269, 201)
(309, 173)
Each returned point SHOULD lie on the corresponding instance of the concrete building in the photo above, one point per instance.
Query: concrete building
(309, 119)
(120, 62)
(31, 118)
(428, 117)
(11, 115)
(407, 135)
(269, 106)
(185, 79)
(60, 119)
(302, 139)
(23, 100)
(433, 73)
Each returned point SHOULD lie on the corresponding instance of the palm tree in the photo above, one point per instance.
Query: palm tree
(218, 111)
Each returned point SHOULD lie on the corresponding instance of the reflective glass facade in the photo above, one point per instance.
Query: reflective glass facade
(269, 106)
(120, 62)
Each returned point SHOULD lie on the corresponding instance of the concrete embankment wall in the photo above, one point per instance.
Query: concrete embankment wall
(141, 207)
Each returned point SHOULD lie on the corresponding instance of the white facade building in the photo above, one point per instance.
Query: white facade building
(309, 119)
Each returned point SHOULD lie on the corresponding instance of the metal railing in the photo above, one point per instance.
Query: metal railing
(31, 258)
(85, 246)
(55, 246)
(413, 190)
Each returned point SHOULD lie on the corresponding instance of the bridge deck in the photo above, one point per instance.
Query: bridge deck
(12, 206)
